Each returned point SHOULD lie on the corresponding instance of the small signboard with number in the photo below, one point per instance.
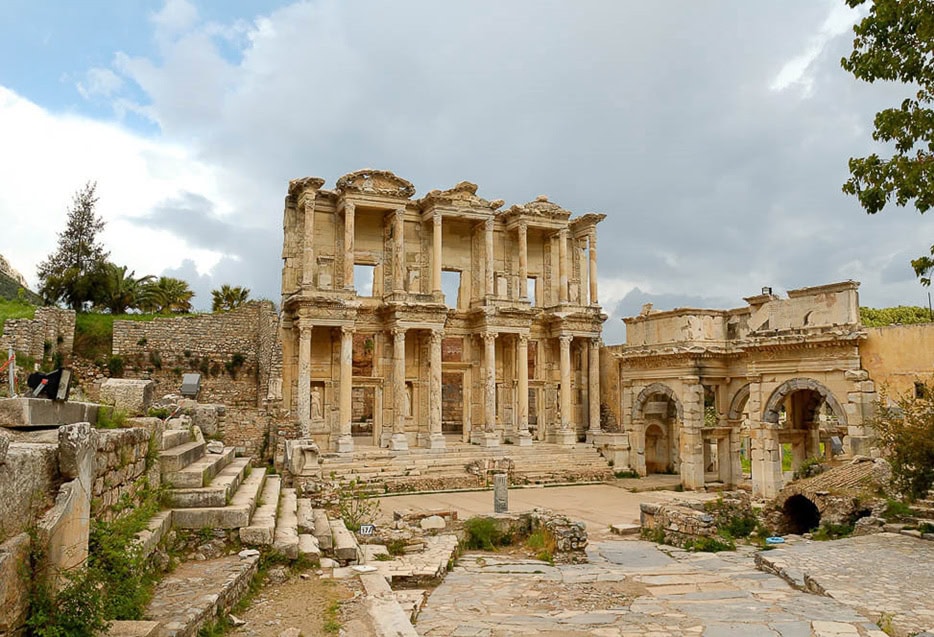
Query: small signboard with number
(367, 529)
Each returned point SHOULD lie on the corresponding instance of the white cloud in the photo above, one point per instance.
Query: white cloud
(99, 82)
(176, 16)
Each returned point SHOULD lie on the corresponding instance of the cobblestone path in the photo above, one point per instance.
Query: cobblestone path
(631, 588)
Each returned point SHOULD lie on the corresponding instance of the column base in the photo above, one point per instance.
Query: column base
(436, 442)
(484, 438)
(566, 437)
(398, 442)
(345, 444)
(521, 439)
(592, 435)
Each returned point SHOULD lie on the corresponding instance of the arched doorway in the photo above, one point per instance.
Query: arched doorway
(657, 411)
(658, 448)
(740, 426)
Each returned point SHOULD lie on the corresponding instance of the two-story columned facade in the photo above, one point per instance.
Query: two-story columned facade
(405, 320)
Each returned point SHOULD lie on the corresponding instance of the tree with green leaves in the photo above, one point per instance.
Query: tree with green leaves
(905, 429)
(895, 43)
(166, 295)
(229, 297)
(71, 274)
(119, 290)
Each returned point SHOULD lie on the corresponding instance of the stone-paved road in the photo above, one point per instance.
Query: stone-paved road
(630, 588)
(887, 577)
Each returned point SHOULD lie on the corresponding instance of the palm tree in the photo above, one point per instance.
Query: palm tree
(228, 298)
(119, 290)
(165, 295)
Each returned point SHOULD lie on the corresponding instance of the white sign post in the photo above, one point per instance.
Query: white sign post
(366, 530)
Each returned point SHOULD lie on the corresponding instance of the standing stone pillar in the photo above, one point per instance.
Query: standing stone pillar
(436, 253)
(398, 248)
(523, 261)
(348, 244)
(500, 493)
(524, 438)
(488, 437)
(692, 438)
(435, 437)
(398, 442)
(488, 257)
(308, 261)
(304, 378)
(767, 478)
(565, 434)
(593, 378)
(593, 268)
(345, 413)
(563, 266)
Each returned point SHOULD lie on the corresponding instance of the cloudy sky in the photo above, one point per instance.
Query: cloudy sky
(714, 135)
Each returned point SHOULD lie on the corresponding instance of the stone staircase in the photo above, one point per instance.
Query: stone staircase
(464, 466)
(924, 513)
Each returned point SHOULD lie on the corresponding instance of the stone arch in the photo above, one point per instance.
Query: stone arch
(770, 413)
(738, 403)
(652, 390)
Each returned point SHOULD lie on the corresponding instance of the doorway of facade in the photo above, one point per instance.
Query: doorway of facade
(363, 402)
(452, 402)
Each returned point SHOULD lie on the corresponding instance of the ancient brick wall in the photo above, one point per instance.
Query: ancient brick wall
(51, 329)
(122, 470)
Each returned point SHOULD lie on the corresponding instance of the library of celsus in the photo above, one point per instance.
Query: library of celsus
(405, 320)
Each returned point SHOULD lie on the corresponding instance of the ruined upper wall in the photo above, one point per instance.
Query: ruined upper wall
(897, 356)
(51, 328)
(805, 310)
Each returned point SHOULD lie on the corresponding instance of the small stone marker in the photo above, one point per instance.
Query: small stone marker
(500, 493)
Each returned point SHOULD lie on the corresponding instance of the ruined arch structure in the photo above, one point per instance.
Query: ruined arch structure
(778, 371)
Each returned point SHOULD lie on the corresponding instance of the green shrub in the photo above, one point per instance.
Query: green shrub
(809, 468)
(115, 366)
(710, 544)
(484, 534)
(628, 473)
(832, 531)
(896, 510)
(396, 547)
(354, 505)
(110, 418)
(542, 542)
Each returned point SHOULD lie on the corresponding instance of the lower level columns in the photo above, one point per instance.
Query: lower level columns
(766, 461)
(565, 435)
(522, 436)
(593, 378)
(345, 439)
(304, 380)
(691, 437)
(488, 437)
(398, 441)
(435, 437)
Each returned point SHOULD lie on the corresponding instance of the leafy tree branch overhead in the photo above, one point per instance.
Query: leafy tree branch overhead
(895, 43)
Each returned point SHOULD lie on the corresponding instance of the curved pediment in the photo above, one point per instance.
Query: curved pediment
(298, 186)
(542, 208)
(463, 195)
(376, 182)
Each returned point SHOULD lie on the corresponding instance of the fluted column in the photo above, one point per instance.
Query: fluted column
(523, 262)
(348, 244)
(304, 379)
(489, 382)
(436, 253)
(435, 437)
(488, 257)
(593, 268)
(398, 247)
(308, 261)
(563, 266)
(398, 441)
(345, 439)
(522, 362)
(593, 378)
(565, 398)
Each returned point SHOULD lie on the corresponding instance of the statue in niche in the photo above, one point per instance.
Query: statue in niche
(316, 412)
(407, 408)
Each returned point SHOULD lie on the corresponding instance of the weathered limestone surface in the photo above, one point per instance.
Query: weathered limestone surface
(50, 325)
(17, 412)
(131, 396)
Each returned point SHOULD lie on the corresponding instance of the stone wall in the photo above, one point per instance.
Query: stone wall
(897, 356)
(51, 329)
(28, 475)
(233, 351)
(122, 470)
(676, 524)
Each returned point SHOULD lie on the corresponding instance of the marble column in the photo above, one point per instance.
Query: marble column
(488, 257)
(436, 253)
(487, 437)
(523, 262)
(348, 244)
(565, 435)
(563, 266)
(308, 261)
(398, 251)
(522, 362)
(691, 437)
(593, 268)
(435, 437)
(345, 415)
(398, 441)
(593, 378)
(304, 378)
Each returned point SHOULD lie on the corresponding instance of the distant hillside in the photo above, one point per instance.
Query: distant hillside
(10, 290)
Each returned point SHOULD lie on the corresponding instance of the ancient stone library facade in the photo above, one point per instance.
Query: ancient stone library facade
(406, 319)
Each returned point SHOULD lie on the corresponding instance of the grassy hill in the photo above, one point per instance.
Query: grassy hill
(10, 290)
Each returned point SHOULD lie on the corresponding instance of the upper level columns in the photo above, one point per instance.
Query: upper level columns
(488, 257)
(308, 253)
(349, 208)
(398, 250)
(436, 252)
(304, 378)
(345, 440)
(563, 265)
(523, 261)
(593, 267)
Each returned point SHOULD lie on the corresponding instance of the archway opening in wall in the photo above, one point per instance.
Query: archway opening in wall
(658, 448)
(363, 403)
(800, 515)
(452, 402)
(806, 419)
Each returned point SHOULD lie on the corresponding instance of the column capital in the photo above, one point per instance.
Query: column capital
(523, 338)
(349, 206)
(347, 330)
(595, 341)
(436, 216)
(565, 339)
(563, 233)
(488, 224)
(489, 336)
(436, 335)
(522, 226)
(399, 213)
(398, 333)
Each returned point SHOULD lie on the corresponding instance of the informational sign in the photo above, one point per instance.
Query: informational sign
(367, 529)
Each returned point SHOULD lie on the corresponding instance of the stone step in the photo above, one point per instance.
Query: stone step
(286, 536)
(131, 628)
(261, 530)
(308, 546)
(923, 510)
(306, 516)
(180, 456)
(234, 516)
(344, 547)
(159, 524)
(200, 472)
(219, 491)
(323, 530)
(174, 437)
